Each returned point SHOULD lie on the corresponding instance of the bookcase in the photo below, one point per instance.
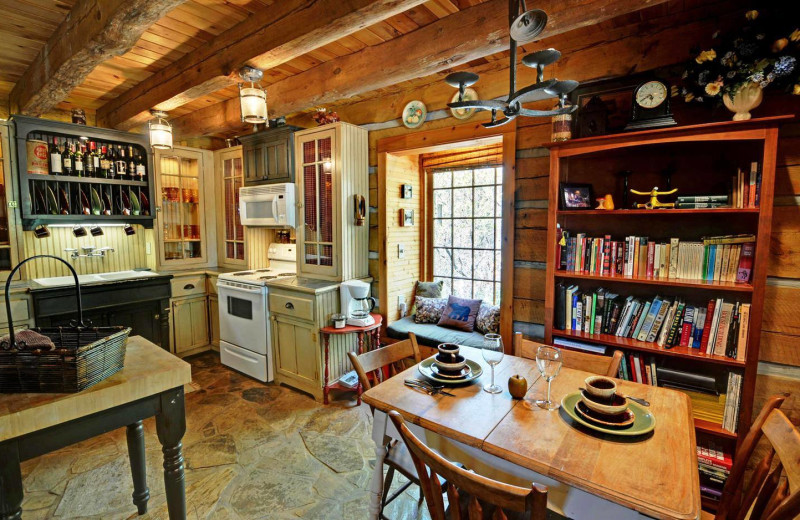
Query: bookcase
(698, 159)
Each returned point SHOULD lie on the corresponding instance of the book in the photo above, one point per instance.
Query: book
(720, 342)
(700, 205)
(745, 267)
(650, 319)
(686, 327)
(560, 317)
(712, 336)
(732, 336)
(667, 325)
(744, 331)
(677, 319)
(640, 319)
(661, 317)
(702, 198)
(699, 329)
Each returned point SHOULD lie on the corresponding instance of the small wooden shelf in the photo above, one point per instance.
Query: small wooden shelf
(83, 180)
(711, 428)
(666, 282)
(648, 347)
(656, 212)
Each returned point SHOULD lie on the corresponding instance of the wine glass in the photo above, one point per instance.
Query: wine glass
(548, 360)
(492, 354)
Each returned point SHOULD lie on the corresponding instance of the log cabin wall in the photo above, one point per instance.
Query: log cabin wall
(616, 51)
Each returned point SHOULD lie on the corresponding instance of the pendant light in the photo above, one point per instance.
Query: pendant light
(160, 131)
(253, 99)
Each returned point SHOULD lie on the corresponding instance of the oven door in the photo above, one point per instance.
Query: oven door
(243, 316)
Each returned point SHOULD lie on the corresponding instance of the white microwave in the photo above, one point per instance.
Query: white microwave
(269, 205)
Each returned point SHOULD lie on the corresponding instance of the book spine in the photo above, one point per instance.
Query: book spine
(675, 327)
(620, 257)
(745, 267)
(702, 198)
(651, 259)
(686, 328)
(673, 259)
(659, 320)
(744, 330)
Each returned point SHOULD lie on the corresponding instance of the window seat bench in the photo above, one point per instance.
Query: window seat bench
(431, 334)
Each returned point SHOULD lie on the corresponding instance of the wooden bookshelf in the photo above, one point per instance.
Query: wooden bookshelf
(702, 158)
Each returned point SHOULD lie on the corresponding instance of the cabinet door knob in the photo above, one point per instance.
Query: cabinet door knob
(289, 305)
(188, 287)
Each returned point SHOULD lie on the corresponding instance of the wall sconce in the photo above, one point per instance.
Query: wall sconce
(96, 231)
(41, 231)
(360, 207)
(79, 231)
(160, 131)
(252, 99)
(129, 230)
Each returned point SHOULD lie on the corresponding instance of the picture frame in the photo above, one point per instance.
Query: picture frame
(575, 196)
(406, 217)
(406, 191)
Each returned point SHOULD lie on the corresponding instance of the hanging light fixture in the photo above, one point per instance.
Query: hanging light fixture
(160, 131)
(524, 26)
(253, 99)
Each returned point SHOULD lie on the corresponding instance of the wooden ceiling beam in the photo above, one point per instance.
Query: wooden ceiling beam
(272, 36)
(93, 31)
(454, 40)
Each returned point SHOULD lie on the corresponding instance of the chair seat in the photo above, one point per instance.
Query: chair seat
(399, 458)
(488, 511)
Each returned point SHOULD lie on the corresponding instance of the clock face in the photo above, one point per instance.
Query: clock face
(651, 94)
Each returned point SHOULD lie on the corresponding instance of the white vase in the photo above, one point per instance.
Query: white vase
(744, 100)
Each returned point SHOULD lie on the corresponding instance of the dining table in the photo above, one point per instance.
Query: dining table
(589, 475)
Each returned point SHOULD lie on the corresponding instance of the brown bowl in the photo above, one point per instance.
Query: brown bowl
(600, 386)
(614, 405)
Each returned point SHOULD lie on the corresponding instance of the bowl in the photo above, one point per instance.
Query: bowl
(614, 405)
(450, 366)
(448, 349)
(600, 386)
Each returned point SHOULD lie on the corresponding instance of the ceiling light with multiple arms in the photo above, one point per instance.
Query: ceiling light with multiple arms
(524, 27)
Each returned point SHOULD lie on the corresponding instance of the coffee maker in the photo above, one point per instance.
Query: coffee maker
(357, 303)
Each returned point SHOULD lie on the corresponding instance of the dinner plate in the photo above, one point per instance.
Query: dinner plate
(425, 368)
(454, 375)
(644, 421)
(617, 421)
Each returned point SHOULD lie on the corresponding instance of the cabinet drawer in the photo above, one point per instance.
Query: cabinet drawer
(188, 285)
(297, 306)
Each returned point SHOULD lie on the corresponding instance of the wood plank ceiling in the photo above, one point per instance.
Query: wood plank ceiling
(181, 31)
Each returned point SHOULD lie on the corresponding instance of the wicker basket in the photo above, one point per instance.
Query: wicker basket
(83, 355)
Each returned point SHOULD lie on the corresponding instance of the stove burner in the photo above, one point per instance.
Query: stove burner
(268, 277)
(243, 273)
(287, 274)
(263, 270)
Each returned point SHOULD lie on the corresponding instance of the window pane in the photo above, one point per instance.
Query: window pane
(498, 203)
(462, 202)
(310, 201)
(484, 233)
(311, 254)
(484, 176)
(484, 201)
(483, 291)
(308, 152)
(462, 263)
(442, 262)
(447, 285)
(498, 239)
(462, 288)
(497, 294)
(462, 178)
(442, 233)
(442, 203)
(483, 265)
(498, 263)
(462, 233)
(443, 179)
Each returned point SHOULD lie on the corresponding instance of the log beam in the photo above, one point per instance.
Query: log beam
(464, 36)
(268, 38)
(93, 31)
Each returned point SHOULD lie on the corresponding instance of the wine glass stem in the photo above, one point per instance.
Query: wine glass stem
(492, 376)
(548, 390)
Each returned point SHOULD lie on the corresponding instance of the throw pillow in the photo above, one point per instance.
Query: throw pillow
(429, 310)
(427, 290)
(460, 314)
(488, 321)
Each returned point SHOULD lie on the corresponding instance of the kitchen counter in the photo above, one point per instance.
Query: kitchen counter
(87, 280)
(306, 285)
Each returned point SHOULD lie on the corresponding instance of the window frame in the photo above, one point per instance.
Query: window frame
(221, 156)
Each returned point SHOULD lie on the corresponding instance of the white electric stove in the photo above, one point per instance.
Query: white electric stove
(244, 325)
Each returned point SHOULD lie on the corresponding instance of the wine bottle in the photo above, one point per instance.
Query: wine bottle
(95, 158)
(122, 163)
(111, 155)
(55, 158)
(67, 160)
(141, 170)
(88, 160)
(131, 163)
(79, 166)
(104, 166)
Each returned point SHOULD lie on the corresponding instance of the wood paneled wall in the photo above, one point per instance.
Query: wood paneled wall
(401, 273)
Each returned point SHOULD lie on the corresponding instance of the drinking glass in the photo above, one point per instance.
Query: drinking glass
(492, 354)
(548, 360)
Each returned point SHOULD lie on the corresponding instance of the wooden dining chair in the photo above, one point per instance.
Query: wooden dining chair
(371, 368)
(773, 490)
(469, 495)
(594, 363)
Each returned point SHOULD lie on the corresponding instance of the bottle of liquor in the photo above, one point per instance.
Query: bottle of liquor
(141, 170)
(131, 163)
(79, 165)
(67, 160)
(112, 161)
(55, 158)
(104, 162)
(88, 160)
(122, 162)
(95, 158)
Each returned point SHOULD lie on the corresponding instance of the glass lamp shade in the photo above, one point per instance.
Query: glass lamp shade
(254, 104)
(161, 135)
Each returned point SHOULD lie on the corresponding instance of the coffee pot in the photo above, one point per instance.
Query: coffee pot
(357, 303)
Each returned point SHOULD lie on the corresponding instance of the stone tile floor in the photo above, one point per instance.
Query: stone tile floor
(252, 451)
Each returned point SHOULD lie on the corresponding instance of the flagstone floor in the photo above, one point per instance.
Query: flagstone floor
(252, 451)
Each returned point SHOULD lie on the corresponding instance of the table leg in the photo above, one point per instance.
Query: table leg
(360, 342)
(326, 339)
(378, 337)
(171, 425)
(136, 453)
(10, 482)
(376, 483)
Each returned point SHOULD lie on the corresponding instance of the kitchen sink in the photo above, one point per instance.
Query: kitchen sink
(124, 275)
(57, 281)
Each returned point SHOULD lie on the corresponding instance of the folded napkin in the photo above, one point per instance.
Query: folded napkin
(28, 339)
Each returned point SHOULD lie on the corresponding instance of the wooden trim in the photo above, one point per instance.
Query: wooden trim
(383, 287)
(428, 184)
(509, 216)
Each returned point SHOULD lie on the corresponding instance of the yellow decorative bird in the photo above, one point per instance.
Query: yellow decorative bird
(654, 203)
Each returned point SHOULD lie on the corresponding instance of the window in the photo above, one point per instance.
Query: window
(232, 179)
(467, 211)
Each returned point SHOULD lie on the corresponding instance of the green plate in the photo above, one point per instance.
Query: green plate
(644, 423)
(425, 369)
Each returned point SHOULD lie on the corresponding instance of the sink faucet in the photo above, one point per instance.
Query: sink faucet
(89, 252)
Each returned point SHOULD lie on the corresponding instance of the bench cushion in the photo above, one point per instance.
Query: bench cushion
(430, 334)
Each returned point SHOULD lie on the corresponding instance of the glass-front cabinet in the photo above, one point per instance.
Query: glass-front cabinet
(183, 220)
(9, 252)
(318, 253)
(230, 232)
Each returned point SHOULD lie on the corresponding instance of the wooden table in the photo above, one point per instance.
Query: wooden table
(150, 384)
(589, 475)
(373, 330)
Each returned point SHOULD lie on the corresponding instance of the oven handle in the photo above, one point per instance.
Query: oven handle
(231, 288)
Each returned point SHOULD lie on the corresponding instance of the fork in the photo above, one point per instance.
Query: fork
(427, 387)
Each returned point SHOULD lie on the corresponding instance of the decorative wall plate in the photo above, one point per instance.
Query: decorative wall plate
(464, 113)
(414, 114)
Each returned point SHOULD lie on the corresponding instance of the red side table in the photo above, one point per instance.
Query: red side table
(373, 330)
